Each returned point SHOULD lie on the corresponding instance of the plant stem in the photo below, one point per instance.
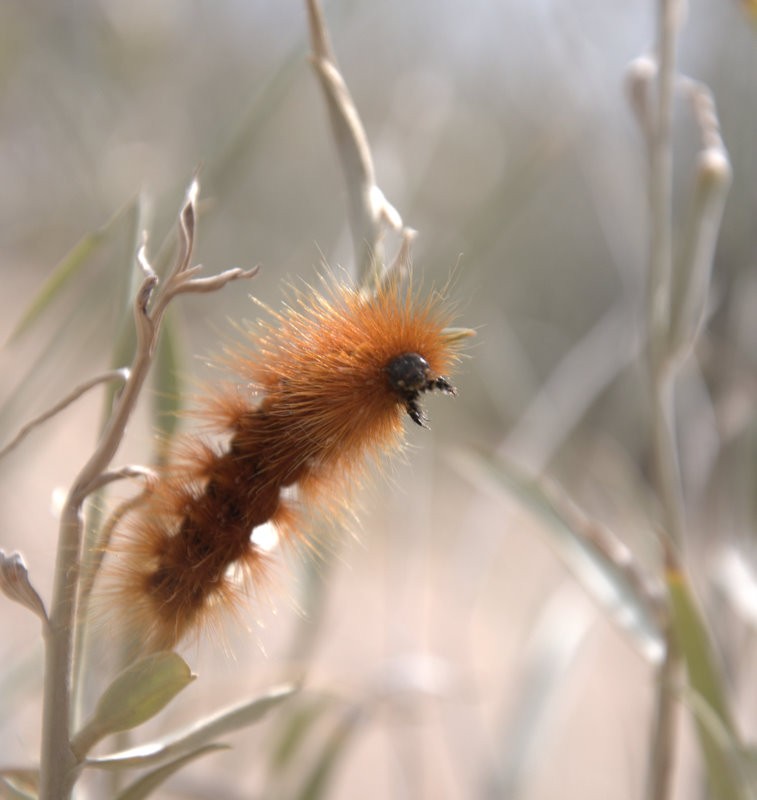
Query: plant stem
(662, 749)
(664, 732)
(58, 763)
(660, 186)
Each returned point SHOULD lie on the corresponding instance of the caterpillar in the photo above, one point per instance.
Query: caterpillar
(322, 392)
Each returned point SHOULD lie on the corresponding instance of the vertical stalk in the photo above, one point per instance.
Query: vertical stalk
(660, 186)
(664, 451)
(58, 763)
(664, 734)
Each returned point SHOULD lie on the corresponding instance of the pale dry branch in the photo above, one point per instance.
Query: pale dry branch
(652, 87)
(112, 375)
(369, 210)
(216, 282)
(648, 591)
(676, 300)
(573, 385)
(664, 734)
(106, 531)
(123, 473)
(59, 763)
(402, 263)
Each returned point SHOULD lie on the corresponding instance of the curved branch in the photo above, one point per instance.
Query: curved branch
(59, 762)
(112, 375)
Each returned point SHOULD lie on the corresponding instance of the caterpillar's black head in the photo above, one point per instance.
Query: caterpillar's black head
(409, 376)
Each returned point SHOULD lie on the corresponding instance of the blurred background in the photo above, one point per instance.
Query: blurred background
(449, 651)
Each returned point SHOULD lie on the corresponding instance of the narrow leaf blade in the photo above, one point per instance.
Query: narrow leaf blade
(606, 580)
(202, 732)
(148, 783)
(717, 733)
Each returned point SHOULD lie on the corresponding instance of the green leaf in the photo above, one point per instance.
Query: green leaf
(136, 695)
(606, 579)
(718, 737)
(728, 771)
(146, 784)
(182, 742)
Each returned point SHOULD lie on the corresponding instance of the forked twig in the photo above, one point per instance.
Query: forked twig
(106, 531)
(59, 762)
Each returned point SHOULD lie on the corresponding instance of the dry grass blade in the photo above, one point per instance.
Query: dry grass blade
(602, 563)
(145, 786)
(368, 209)
(574, 384)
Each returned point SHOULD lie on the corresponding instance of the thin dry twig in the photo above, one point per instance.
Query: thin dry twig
(112, 375)
(123, 473)
(651, 83)
(402, 263)
(58, 768)
(104, 535)
(96, 555)
(648, 591)
(598, 357)
(660, 272)
(667, 316)
(369, 210)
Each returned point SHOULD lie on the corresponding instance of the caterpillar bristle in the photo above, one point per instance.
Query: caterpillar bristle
(323, 391)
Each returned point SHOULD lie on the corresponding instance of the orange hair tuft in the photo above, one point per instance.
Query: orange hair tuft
(324, 389)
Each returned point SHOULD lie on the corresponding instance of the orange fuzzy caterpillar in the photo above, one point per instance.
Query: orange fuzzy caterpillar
(323, 392)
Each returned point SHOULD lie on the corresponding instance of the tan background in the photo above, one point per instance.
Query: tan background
(501, 132)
